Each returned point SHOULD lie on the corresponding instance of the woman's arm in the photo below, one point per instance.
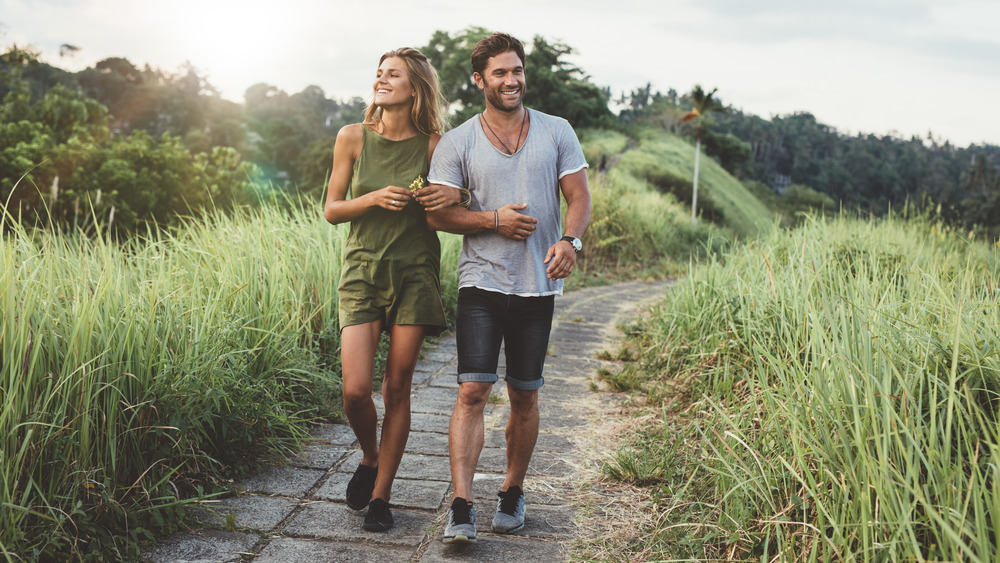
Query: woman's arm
(338, 208)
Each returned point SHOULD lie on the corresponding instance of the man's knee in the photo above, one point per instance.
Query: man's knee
(521, 398)
(473, 394)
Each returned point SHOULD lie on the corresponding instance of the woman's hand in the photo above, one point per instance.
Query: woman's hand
(436, 196)
(393, 198)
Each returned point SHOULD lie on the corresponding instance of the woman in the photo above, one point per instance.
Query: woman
(390, 278)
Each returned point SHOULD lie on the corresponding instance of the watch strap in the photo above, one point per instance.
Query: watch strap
(575, 242)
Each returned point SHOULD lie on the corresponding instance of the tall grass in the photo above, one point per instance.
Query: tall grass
(134, 375)
(828, 394)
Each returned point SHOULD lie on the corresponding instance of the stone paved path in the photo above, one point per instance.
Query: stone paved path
(296, 512)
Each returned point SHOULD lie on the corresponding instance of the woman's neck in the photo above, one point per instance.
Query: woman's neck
(396, 124)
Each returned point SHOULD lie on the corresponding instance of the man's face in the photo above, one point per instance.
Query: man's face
(503, 81)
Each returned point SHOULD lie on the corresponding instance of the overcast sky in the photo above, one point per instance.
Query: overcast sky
(903, 67)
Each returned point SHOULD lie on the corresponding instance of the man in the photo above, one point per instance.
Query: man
(515, 163)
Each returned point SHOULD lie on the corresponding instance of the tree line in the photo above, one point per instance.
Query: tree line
(126, 147)
(796, 162)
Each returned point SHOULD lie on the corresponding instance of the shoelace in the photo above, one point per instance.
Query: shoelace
(460, 513)
(508, 500)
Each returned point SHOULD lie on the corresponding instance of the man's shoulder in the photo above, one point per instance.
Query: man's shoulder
(549, 119)
(463, 130)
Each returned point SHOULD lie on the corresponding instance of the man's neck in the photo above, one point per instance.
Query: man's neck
(505, 119)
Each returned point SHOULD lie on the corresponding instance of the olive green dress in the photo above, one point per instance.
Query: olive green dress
(392, 260)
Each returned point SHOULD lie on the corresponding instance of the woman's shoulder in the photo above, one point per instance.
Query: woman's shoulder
(351, 138)
(351, 131)
(433, 141)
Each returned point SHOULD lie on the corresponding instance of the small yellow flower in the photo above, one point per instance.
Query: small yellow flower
(417, 183)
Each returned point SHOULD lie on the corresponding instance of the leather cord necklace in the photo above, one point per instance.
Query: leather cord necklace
(519, 132)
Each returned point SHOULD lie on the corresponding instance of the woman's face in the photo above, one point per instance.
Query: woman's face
(392, 83)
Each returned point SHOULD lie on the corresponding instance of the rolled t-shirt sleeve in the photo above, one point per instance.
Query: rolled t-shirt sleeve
(446, 165)
(571, 157)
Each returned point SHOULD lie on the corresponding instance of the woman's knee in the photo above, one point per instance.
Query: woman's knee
(395, 395)
(356, 398)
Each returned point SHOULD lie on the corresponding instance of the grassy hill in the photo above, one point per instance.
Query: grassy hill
(666, 161)
(637, 228)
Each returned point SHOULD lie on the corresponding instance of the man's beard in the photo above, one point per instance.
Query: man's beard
(496, 100)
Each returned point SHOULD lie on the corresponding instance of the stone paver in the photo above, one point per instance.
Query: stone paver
(296, 511)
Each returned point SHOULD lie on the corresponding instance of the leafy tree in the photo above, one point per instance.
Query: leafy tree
(452, 57)
(554, 86)
(283, 126)
(702, 104)
(732, 152)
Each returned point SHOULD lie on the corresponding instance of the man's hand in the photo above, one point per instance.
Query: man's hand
(513, 224)
(436, 196)
(561, 259)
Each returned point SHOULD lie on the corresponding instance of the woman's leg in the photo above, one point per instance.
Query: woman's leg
(358, 344)
(404, 349)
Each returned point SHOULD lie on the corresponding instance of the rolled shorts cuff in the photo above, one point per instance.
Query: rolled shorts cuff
(477, 378)
(532, 385)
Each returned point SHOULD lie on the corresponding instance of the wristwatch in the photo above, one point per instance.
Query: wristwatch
(577, 245)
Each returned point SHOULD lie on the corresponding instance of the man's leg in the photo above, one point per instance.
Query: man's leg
(478, 335)
(466, 435)
(521, 433)
(526, 334)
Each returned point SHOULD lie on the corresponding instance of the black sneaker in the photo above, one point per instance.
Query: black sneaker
(379, 517)
(461, 527)
(359, 489)
(509, 517)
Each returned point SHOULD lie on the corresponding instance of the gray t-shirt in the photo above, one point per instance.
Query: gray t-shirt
(465, 158)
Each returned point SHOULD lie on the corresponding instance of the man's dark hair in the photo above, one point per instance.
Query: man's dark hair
(493, 45)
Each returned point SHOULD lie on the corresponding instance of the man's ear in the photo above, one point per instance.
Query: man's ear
(479, 80)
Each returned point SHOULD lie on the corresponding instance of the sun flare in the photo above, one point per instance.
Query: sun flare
(230, 40)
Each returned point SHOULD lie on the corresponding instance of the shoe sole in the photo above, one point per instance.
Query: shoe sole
(510, 531)
(460, 538)
(358, 508)
(377, 528)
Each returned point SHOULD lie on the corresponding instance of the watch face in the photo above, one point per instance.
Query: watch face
(577, 244)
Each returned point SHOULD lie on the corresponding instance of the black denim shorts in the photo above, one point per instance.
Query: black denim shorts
(487, 318)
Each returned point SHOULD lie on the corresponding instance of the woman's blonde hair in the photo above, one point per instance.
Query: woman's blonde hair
(427, 112)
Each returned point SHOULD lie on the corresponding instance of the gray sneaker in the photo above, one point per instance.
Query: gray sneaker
(461, 523)
(510, 511)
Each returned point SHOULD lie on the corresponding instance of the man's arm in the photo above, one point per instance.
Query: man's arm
(508, 221)
(561, 257)
(459, 220)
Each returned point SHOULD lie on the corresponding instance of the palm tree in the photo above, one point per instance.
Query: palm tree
(701, 104)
